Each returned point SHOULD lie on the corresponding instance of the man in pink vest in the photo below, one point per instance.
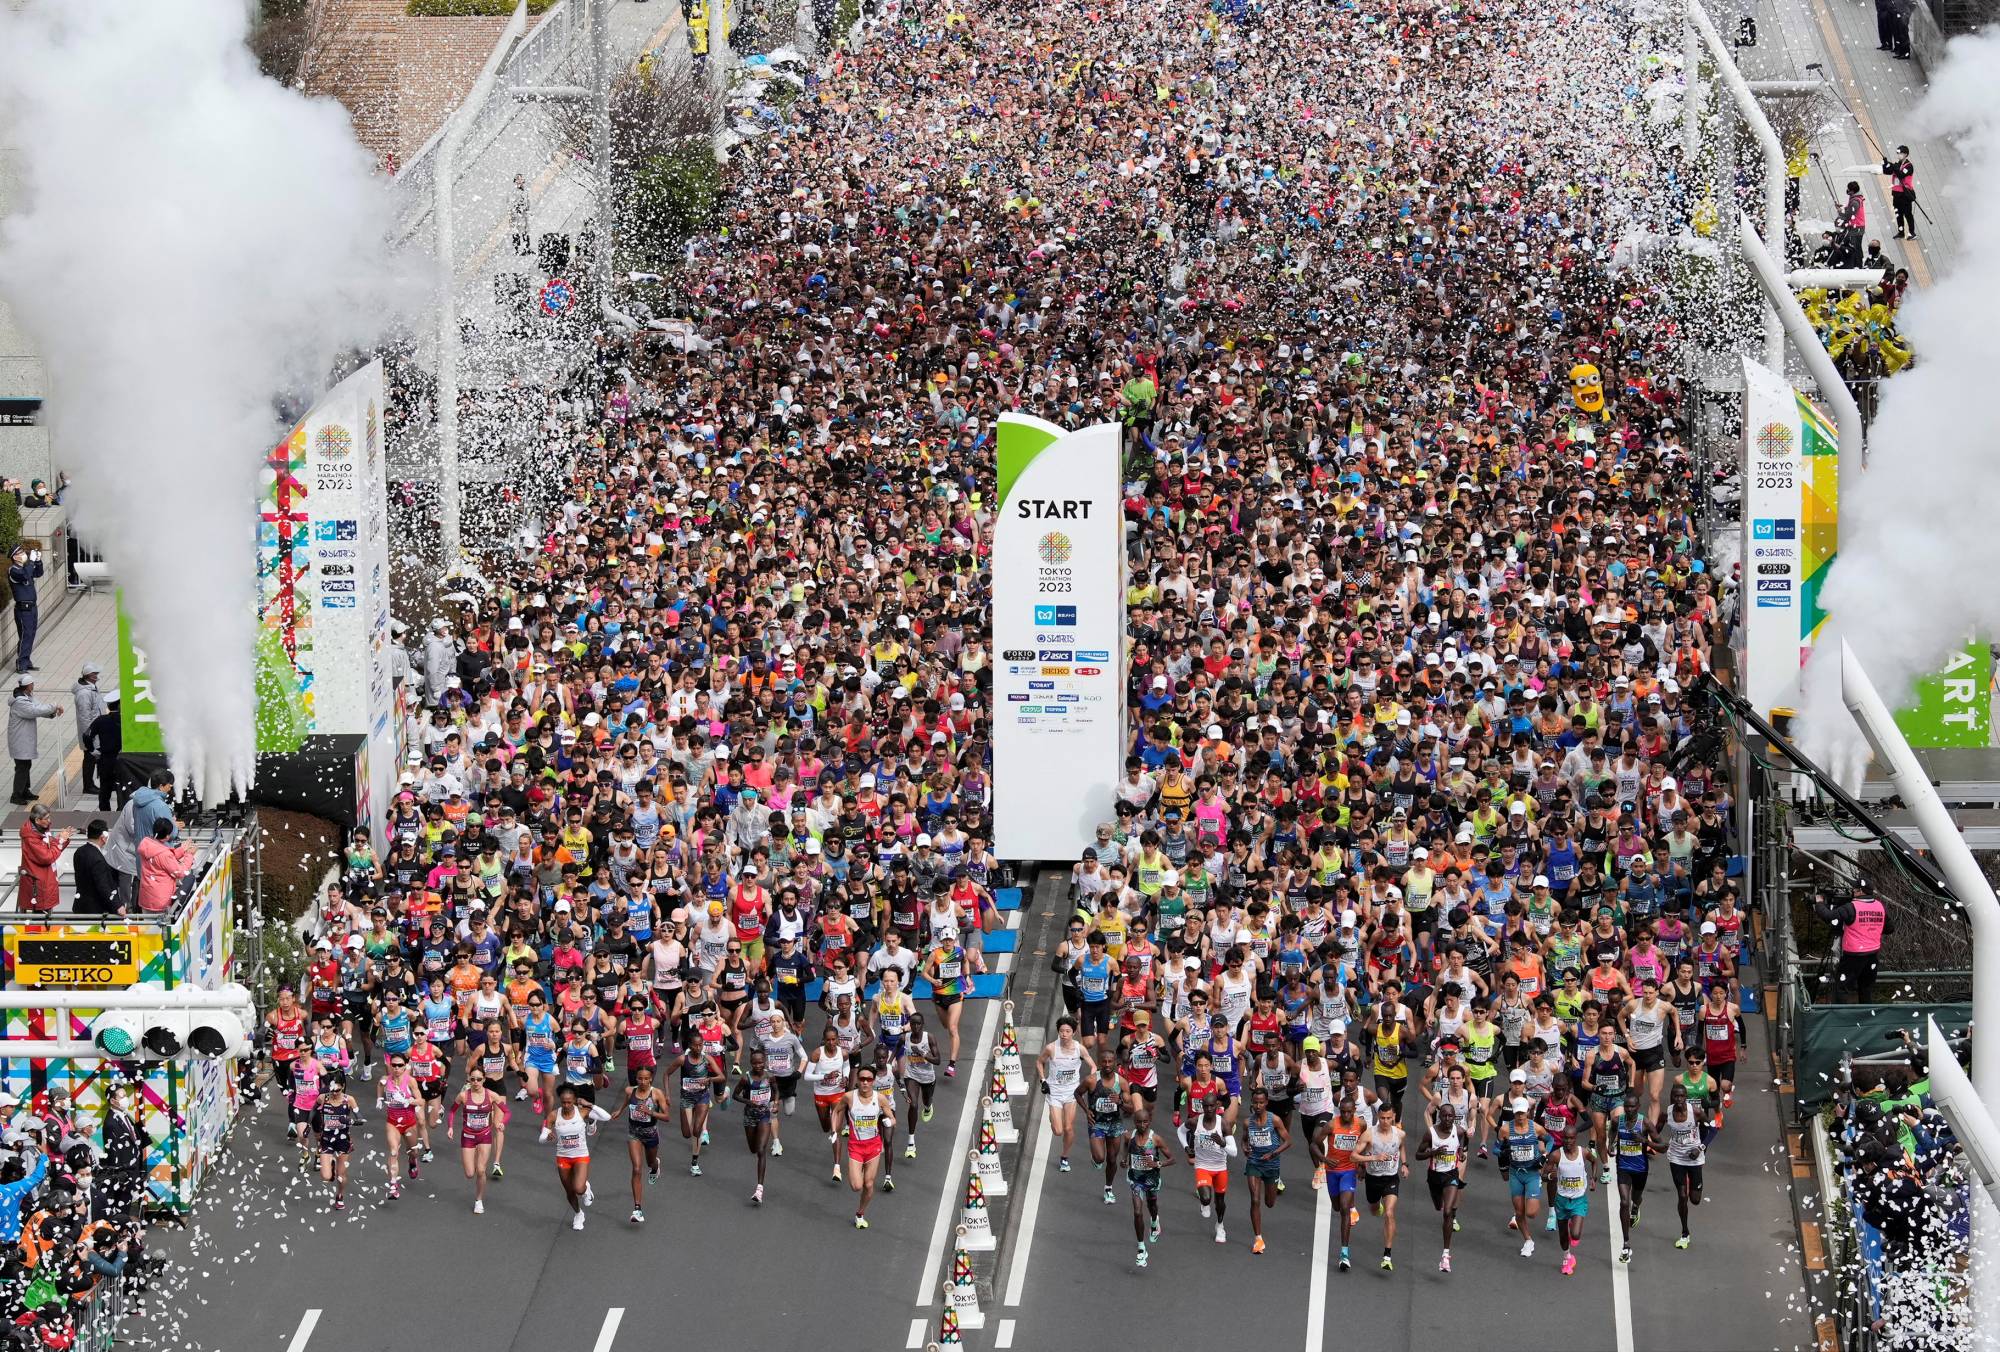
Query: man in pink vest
(1861, 922)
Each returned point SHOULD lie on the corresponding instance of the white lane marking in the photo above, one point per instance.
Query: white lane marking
(968, 1114)
(1038, 1170)
(613, 1317)
(1621, 1275)
(1005, 1337)
(306, 1327)
(1316, 1290)
(920, 1329)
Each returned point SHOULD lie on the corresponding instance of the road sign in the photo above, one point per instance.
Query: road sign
(556, 296)
(94, 961)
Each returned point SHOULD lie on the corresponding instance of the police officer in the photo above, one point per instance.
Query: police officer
(1862, 922)
(21, 575)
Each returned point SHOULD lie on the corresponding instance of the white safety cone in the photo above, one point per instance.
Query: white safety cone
(975, 1232)
(986, 1167)
(1002, 1118)
(961, 1293)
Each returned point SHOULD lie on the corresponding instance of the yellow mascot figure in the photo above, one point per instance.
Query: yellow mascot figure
(1586, 387)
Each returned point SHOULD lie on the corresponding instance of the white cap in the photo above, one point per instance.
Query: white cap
(354, 941)
(923, 838)
(1518, 1077)
(1159, 683)
(812, 847)
(563, 904)
(867, 781)
(1541, 880)
(1420, 853)
(1215, 732)
(1708, 927)
(722, 753)
(1348, 919)
(1670, 783)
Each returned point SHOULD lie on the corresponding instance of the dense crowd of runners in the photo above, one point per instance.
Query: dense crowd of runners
(1410, 868)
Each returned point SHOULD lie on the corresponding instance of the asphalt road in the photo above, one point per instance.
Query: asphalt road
(1066, 1277)
(267, 1266)
(423, 1272)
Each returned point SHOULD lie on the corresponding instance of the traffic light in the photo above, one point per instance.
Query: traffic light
(170, 1023)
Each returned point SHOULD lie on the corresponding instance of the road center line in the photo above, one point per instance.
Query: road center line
(613, 1317)
(1038, 1171)
(306, 1327)
(968, 1114)
(1621, 1275)
(1316, 1288)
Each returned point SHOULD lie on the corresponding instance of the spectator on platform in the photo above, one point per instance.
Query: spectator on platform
(22, 737)
(89, 708)
(162, 865)
(96, 880)
(41, 846)
(149, 805)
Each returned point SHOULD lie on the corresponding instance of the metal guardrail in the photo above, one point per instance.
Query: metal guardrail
(540, 53)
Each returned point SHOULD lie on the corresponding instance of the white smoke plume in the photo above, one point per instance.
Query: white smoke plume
(1920, 535)
(194, 239)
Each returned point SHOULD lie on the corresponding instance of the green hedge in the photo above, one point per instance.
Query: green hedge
(459, 9)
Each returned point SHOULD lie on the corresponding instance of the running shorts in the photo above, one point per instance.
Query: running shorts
(1215, 1180)
(1524, 1183)
(1379, 1186)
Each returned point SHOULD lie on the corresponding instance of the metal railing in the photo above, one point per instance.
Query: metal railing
(548, 44)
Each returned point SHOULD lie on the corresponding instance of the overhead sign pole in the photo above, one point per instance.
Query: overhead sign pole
(1058, 635)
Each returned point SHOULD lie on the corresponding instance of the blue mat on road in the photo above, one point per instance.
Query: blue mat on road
(1003, 941)
(1007, 898)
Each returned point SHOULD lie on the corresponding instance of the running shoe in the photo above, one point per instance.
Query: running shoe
(653, 1175)
(704, 1135)
(1683, 1241)
(1550, 1223)
(1625, 1254)
(1204, 1210)
(1635, 1214)
(1156, 1231)
(395, 1191)
(292, 1132)
(576, 1222)
(1109, 1197)
(498, 1172)
(1354, 1215)
(1388, 1263)
(427, 1154)
(478, 1207)
(1454, 1225)
(1281, 1187)
(1062, 1165)
(1569, 1264)
(1527, 1248)
(790, 1104)
(1345, 1261)
(520, 1096)
(1257, 1244)
(1140, 1261)
(861, 1222)
(1221, 1234)
(951, 1070)
(910, 1151)
(888, 1182)
(836, 1173)
(1444, 1261)
(929, 1112)
(414, 1173)
(777, 1147)
(589, 1194)
(1513, 1222)
(367, 1070)
(757, 1196)
(1483, 1154)
(638, 1216)
(1605, 1177)
(1319, 1176)
(694, 1168)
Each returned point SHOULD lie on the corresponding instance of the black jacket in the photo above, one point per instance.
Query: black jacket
(107, 738)
(96, 881)
(124, 1153)
(21, 577)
